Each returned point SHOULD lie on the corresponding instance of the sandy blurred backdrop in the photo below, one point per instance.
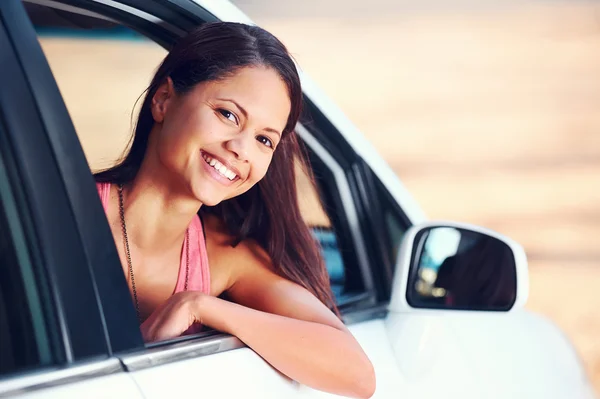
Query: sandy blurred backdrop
(489, 111)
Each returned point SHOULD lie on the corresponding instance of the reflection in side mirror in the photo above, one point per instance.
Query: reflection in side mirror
(455, 268)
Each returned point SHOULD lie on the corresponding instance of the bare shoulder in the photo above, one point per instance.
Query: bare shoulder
(228, 262)
(251, 280)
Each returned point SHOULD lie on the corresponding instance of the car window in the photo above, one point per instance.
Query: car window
(315, 216)
(395, 221)
(24, 341)
(389, 224)
(102, 70)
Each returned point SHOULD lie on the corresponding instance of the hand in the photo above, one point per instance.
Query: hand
(175, 316)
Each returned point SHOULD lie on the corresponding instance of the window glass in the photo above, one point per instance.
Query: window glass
(102, 69)
(395, 222)
(311, 206)
(396, 230)
(315, 216)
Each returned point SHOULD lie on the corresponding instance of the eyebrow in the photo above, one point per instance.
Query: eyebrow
(243, 111)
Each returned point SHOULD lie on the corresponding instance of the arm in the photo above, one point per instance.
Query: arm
(287, 326)
(281, 321)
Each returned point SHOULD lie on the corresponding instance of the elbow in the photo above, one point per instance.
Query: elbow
(365, 383)
(369, 384)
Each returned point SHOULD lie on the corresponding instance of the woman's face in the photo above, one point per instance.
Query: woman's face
(217, 140)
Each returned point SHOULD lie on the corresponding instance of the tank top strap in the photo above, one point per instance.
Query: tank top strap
(104, 194)
(199, 272)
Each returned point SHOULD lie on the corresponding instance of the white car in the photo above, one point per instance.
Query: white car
(437, 306)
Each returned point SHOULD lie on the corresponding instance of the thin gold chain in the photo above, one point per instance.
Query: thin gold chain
(128, 253)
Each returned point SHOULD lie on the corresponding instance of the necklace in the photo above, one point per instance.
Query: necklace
(128, 253)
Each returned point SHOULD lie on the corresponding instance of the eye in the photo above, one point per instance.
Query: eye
(229, 115)
(265, 140)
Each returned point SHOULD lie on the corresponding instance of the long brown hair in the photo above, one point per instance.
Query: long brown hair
(269, 212)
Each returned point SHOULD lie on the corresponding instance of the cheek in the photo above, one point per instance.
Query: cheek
(173, 132)
(260, 168)
(185, 134)
(258, 172)
(172, 147)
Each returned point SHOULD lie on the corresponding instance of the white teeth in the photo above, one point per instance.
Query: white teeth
(219, 167)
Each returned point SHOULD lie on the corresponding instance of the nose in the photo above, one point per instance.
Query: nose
(239, 146)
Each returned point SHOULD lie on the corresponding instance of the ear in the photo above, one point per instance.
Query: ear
(162, 99)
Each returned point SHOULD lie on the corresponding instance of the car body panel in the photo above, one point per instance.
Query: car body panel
(485, 355)
(233, 374)
(96, 379)
(113, 386)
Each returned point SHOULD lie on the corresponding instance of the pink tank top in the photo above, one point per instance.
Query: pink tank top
(199, 273)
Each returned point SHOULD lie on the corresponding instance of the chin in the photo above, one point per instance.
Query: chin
(207, 194)
(211, 202)
(208, 200)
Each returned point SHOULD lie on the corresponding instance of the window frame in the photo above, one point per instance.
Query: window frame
(344, 218)
(35, 181)
(160, 21)
(371, 198)
(30, 287)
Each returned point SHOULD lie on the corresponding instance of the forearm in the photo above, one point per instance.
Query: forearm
(313, 354)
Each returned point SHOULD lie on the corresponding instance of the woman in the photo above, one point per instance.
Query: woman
(215, 138)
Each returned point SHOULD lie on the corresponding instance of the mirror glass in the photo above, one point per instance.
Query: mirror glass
(461, 269)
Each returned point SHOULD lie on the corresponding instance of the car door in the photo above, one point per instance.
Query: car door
(52, 339)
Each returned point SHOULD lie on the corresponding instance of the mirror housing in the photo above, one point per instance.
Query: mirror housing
(411, 259)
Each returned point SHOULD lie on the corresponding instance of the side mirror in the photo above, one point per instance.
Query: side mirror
(457, 266)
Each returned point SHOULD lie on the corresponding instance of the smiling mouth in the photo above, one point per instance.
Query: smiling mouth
(219, 167)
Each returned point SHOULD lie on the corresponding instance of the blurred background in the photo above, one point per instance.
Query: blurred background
(488, 111)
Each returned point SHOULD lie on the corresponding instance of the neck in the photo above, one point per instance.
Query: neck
(157, 211)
